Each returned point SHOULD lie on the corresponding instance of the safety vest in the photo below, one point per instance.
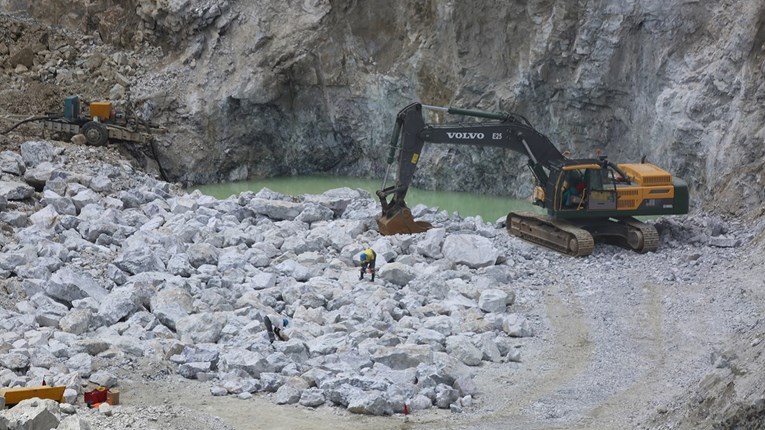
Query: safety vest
(370, 254)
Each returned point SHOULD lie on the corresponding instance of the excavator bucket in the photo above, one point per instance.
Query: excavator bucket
(401, 223)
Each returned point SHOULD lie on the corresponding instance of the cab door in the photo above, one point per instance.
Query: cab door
(602, 190)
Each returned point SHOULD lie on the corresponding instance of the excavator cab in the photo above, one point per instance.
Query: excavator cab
(582, 185)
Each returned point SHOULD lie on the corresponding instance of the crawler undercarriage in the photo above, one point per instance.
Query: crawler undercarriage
(577, 237)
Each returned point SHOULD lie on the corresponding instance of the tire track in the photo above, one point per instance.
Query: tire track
(569, 354)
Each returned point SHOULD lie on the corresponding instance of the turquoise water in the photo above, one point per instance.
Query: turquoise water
(490, 208)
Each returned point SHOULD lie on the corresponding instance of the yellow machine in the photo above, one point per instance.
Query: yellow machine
(17, 394)
(586, 199)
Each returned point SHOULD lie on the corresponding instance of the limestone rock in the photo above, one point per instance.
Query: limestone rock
(470, 250)
(15, 190)
(397, 273)
(493, 300)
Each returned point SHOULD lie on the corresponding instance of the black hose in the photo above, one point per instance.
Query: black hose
(156, 158)
(33, 119)
(152, 142)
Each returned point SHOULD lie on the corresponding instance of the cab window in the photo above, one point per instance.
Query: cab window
(596, 179)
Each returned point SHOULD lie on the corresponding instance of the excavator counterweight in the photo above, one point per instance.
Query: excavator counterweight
(585, 199)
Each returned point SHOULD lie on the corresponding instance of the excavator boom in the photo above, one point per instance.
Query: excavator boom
(507, 130)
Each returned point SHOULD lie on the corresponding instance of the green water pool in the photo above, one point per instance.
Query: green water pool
(490, 208)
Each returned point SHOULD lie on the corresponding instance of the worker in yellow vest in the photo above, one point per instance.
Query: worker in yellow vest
(367, 258)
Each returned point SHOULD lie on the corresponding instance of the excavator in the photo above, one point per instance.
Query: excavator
(586, 199)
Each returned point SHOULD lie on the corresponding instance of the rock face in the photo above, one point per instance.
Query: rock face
(278, 88)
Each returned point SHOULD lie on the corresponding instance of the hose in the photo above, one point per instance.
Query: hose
(156, 158)
(32, 119)
(152, 141)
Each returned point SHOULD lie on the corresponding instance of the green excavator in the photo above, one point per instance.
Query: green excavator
(586, 199)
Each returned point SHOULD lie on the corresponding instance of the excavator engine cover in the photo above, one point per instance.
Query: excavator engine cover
(401, 223)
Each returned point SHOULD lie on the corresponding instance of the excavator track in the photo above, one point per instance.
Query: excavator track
(641, 237)
(557, 235)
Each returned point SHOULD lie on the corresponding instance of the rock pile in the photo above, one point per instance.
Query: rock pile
(107, 271)
(110, 263)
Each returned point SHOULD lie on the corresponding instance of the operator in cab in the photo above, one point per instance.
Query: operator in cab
(573, 190)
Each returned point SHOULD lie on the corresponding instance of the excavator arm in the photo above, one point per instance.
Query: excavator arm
(503, 130)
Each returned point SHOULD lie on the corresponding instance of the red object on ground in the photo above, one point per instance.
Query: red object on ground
(95, 396)
(406, 409)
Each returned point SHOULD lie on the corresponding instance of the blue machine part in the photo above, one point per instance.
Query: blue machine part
(72, 107)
